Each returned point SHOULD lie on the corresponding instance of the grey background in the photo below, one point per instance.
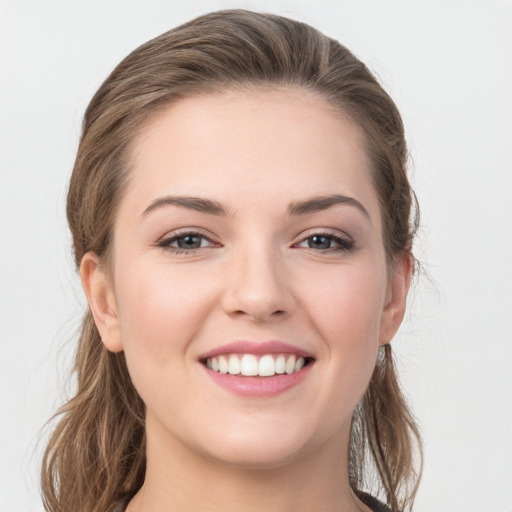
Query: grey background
(448, 66)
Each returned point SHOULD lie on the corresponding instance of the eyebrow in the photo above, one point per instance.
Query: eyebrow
(314, 204)
(193, 203)
(319, 203)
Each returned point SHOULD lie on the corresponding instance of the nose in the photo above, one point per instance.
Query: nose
(257, 287)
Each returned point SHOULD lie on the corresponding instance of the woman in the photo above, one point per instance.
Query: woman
(241, 218)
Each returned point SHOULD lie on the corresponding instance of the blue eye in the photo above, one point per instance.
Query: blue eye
(185, 242)
(327, 242)
(189, 242)
(319, 242)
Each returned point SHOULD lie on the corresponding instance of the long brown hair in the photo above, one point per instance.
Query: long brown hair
(95, 457)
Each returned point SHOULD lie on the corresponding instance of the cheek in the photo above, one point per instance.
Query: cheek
(160, 309)
(348, 302)
(347, 312)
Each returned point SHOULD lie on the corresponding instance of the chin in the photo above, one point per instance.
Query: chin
(262, 449)
(256, 458)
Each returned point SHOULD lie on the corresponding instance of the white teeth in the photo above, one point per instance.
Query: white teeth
(223, 364)
(280, 364)
(266, 367)
(233, 365)
(290, 365)
(249, 365)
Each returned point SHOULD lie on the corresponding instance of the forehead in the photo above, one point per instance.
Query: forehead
(242, 146)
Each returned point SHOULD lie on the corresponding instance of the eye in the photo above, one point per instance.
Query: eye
(327, 242)
(186, 242)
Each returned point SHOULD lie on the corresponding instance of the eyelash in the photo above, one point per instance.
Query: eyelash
(165, 243)
(344, 244)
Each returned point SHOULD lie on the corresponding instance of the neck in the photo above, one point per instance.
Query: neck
(178, 479)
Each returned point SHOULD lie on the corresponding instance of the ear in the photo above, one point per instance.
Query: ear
(100, 295)
(394, 308)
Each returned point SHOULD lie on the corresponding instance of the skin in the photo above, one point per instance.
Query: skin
(257, 276)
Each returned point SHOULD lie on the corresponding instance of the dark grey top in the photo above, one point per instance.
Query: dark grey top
(373, 503)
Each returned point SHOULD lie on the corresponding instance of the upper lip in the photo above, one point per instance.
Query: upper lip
(256, 348)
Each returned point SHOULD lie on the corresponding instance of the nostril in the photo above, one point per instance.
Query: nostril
(241, 312)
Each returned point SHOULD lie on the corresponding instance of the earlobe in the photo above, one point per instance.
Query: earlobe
(394, 309)
(100, 295)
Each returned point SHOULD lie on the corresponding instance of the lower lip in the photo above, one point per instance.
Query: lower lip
(258, 386)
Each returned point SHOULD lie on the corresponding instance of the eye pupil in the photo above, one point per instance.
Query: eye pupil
(319, 242)
(189, 242)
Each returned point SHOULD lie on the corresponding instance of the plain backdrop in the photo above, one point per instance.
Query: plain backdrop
(447, 64)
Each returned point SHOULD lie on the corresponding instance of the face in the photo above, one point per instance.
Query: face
(248, 287)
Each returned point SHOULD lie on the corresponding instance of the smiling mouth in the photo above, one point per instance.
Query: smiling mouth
(250, 365)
